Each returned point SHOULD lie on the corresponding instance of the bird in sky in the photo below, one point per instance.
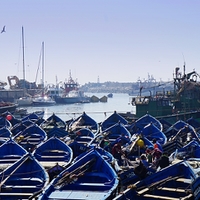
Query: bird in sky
(4, 29)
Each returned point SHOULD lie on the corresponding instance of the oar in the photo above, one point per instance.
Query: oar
(134, 143)
(72, 172)
(70, 178)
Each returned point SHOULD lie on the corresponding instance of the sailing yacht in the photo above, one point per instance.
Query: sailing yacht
(43, 100)
(27, 99)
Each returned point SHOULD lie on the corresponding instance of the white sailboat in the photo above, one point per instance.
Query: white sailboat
(27, 99)
(43, 100)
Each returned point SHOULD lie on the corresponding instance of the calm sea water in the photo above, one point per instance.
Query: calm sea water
(98, 111)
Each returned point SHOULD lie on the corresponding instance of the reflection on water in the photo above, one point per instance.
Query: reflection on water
(98, 111)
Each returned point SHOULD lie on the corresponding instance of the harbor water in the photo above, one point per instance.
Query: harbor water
(99, 111)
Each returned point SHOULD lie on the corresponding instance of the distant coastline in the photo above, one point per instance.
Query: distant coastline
(131, 88)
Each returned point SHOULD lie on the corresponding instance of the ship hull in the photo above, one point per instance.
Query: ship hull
(71, 100)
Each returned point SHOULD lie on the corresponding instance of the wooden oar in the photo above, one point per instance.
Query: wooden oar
(67, 175)
(72, 176)
(134, 143)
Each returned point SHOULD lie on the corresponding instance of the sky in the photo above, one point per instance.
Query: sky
(99, 40)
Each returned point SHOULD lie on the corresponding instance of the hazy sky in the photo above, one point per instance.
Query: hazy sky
(115, 40)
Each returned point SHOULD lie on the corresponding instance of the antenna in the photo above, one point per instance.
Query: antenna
(183, 65)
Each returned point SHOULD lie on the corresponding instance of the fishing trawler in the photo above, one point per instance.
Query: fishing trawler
(71, 93)
(183, 102)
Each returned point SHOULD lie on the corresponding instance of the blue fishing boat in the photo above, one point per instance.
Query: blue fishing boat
(52, 152)
(178, 135)
(113, 119)
(112, 135)
(105, 154)
(186, 134)
(79, 141)
(146, 119)
(83, 135)
(33, 117)
(10, 152)
(165, 124)
(173, 130)
(57, 132)
(196, 188)
(151, 132)
(90, 177)
(78, 148)
(172, 182)
(190, 150)
(21, 126)
(84, 121)
(22, 179)
(30, 137)
(53, 121)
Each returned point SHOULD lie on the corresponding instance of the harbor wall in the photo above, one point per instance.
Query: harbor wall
(11, 95)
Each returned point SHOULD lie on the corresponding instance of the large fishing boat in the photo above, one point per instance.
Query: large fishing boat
(72, 93)
(183, 102)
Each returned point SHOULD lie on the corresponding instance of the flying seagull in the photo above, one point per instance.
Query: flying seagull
(4, 29)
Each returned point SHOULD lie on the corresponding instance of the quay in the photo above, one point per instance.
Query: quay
(11, 94)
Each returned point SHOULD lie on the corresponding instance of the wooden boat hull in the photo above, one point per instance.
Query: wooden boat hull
(53, 151)
(84, 121)
(71, 100)
(113, 119)
(94, 179)
(10, 152)
(172, 182)
(11, 107)
(196, 188)
(23, 178)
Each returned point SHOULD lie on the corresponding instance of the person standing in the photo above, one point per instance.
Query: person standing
(163, 161)
(117, 151)
(157, 145)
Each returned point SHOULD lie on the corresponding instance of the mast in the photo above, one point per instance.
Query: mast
(42, 68)
(23, 54)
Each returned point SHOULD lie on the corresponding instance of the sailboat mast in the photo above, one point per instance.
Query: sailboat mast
(42, 68)
(23, 54)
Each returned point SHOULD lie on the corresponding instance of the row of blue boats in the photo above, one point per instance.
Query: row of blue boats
(55, 159)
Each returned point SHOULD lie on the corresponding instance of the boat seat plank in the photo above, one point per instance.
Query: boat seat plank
(7, 194)
(143, 191)
(53, 157)
(184, 180)
(9, 160)
(20, 186)
(55, 151)
(30, 179)
(173, 189)
(160, 197)
(91, 184)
